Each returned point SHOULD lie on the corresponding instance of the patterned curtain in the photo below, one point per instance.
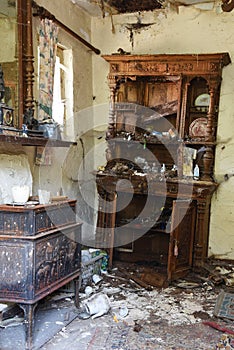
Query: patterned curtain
(48, 39)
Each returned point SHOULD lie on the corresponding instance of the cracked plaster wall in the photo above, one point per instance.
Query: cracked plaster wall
(66, 170)
(173, 30)
(183, 30)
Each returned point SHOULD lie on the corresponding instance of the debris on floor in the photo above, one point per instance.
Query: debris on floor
(224, 343)
(139, 307)
(97, 305)
(118, 311)
(93, 262)
(221, 272)
(10, 322)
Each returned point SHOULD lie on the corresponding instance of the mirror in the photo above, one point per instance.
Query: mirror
(16, 59)
(9, 59)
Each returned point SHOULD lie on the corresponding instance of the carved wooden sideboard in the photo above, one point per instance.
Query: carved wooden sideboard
(163, 113)
(40, 252)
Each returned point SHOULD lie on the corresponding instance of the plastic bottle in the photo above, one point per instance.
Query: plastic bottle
(163, 169)
(196, 172)
(154, 168)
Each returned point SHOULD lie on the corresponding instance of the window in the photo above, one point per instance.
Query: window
(62, 107)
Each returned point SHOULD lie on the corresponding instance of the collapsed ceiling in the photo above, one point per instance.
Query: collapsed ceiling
(123, 6)
(101, 7)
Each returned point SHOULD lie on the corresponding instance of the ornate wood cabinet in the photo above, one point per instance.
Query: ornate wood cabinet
(39, 253)
(162, 123)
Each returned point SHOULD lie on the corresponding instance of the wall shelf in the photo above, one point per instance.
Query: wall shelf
(35, 141)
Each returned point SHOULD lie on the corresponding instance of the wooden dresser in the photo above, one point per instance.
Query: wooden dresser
(163, 115)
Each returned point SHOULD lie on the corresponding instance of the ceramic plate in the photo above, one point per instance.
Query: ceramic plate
(187, 285)
(198, 127)
(23, 204)
(16, 204)
(202, 100)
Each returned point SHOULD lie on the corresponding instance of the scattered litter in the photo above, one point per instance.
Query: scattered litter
(222, 270)
(137, 327)
(84, 315)
(216, 279)
(10, 322)
(187, 285)
(96, 279)
(115, 318)
(152, 278)
(88, 290)
(97, 305)
(224, 343)
(120, 312)
(154, 319)
(220, 274)
(60, 296)
(66, 316)
(111, 290)
(229, 279)
(63, 334)
(3, 306)
(123, 311)
(90, 266)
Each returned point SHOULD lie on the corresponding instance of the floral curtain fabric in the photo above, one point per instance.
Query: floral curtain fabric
(48, 39)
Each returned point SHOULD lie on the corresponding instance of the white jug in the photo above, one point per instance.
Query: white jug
(97, 305)
(20, 194)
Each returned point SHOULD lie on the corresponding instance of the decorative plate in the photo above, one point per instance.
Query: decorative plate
(198, 127)
(29, 203)
(187, 285)
(16, 203)
(202, 100)
(32, 203)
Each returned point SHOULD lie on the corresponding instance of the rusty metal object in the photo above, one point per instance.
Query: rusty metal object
(35, 264)
(31, 220)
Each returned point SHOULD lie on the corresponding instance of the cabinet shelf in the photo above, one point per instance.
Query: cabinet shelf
(163, 141)
(35, 141)
(171, 142)
(199, 143)
(143, 227)
(202, 110)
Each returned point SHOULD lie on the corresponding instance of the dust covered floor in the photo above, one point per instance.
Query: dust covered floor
(176, 317)
(180, 316)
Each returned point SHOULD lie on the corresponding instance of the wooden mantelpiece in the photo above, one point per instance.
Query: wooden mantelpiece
(168, 64)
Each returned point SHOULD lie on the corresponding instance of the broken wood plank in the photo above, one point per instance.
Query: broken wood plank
(155, 279)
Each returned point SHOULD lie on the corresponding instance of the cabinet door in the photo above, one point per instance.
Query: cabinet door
(181, 238)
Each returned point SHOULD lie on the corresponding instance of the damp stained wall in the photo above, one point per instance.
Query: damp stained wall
(188, 30)
(71, 167)
(182, 30)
